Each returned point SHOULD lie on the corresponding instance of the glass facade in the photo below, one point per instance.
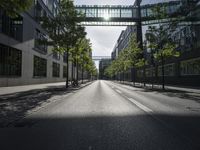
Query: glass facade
(64, 71)
(150, 72)
(11, 27)
(108, 11)
(40, 67)
(10, 61)
(40, 44)
(140, 73)
(169, 70)
(56, 55)
(56, 69)
(190, 67)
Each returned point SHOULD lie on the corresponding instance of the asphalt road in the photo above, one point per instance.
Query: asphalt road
(109, 116)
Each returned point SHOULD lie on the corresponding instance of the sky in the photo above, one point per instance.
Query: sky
(103, 39)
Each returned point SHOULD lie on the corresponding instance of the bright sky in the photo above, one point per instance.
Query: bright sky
(103, 39)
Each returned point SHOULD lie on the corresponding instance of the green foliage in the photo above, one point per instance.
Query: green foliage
(67, 35)
(64, 29)
(159, 36)
(130, 57)
(14, 7)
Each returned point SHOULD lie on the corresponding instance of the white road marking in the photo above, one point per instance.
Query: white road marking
(141, 106)
(118, 91)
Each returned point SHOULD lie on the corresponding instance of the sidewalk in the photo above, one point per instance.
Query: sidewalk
(159, 87)
(25, 88)
(19, 101)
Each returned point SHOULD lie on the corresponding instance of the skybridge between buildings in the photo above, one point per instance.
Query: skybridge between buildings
(98, 58)
(119, 15)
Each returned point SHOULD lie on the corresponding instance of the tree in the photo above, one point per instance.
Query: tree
(159, 37)
(13, 8)
(64, 30)
(130, 57)
(81, 55)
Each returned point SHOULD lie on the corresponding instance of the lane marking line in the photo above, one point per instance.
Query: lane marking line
(118, 91)
(141, 106)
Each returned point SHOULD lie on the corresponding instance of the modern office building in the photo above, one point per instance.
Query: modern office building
(22, 59)
(103, 64)
(184, 70)
(123, 40)
(121, 44)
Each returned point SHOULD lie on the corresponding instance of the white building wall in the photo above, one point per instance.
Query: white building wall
(28, 52)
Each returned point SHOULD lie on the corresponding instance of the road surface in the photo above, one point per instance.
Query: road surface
(109, 116)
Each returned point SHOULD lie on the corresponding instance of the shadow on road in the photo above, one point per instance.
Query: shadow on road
(132, 132)
(15, 106)
(189, 95)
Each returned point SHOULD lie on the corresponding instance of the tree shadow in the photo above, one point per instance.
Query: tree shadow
(101, 132)
(189, 95)
(16, 105)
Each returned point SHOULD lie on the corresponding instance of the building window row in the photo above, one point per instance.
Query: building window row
(190, 67)
(150, 72)
(40, 39)
(56, 55)
(40, 67)
(39, 11)
(10, 61)
(64, 71)
(140, 73)
(11, 27)
(56, 69)
(169, 70)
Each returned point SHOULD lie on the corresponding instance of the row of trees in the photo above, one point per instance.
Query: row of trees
(69, 37)
(159, 44)
(65, 35)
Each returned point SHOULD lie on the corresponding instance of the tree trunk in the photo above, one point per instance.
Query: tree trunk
(163, 73)
(67, 77)
(77, 76)
(82, 70)
(72, 73)
(152, 78)
(133, 77)
(144, 74)
(123, 76)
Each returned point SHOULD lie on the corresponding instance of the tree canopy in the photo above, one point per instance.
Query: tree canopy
(14, 7)
(130, 57)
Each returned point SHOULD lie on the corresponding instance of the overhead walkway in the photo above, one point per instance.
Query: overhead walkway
(97, 58)
(118, 15)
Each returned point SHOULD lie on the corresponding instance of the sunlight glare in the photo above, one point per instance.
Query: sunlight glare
(106, 17)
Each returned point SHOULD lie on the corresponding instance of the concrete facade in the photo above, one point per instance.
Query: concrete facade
(27, 47)
(184, 70)
(123, 40)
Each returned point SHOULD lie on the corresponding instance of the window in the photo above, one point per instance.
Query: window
(10, 61)
(150, 72)
(65, 57)
(169, 70)
(11, 27)
(64, 71)
(56, 69)
(40, 38)
(190, 67)
(40, 67)
(56, 55)
(140, 73)
(126, 13)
